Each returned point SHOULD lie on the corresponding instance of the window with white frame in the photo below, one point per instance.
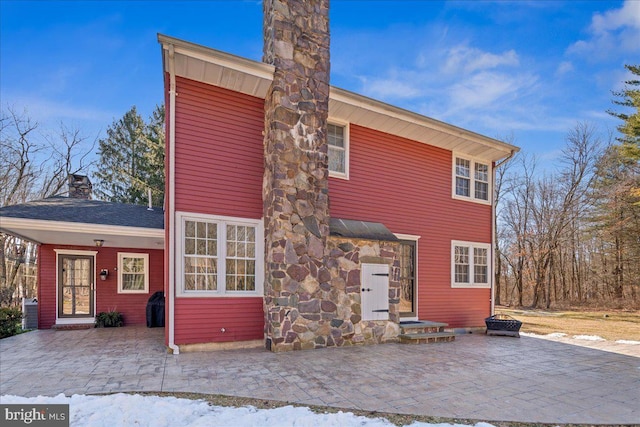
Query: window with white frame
(241, 258)
(471, 180)
(220, 256)
(470, 264)
(338, 151)
(133, 273)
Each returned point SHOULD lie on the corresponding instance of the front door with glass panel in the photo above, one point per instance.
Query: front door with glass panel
(75, 286)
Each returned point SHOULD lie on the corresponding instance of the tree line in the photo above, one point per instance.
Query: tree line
(572, 237)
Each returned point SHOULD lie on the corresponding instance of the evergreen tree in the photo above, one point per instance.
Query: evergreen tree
(630, 128)
(132, 159)
(616, 223)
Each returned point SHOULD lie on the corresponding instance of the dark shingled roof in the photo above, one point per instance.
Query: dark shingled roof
(58, 208)
(360, 230)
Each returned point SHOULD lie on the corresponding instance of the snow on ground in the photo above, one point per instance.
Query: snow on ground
(154, 411)
(588, 338)
(556, 335)
(628, 342)
(576, 337)
(626, 347)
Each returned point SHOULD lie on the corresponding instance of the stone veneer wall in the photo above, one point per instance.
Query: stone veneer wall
(295, 188)
(328, 313)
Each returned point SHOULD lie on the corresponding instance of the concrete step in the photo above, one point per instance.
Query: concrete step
(421, 326)
(425, 338)
(73, 327)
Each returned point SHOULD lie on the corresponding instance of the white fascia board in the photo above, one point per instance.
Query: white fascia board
(379, 107)
(78, 227)
(224, 59)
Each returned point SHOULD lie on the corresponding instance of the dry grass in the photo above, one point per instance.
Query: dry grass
(611, 325)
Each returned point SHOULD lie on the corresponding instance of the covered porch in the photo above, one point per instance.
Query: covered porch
(93, 257)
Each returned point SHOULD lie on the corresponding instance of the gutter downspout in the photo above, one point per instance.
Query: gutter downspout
(493, 232)
(172, 203)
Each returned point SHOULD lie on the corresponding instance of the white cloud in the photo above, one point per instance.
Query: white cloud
(48, 109)
(390, 88)
(627, 16)
(485, 89)
(450, 75)
(49, 113)
(564, 67)
(616, 30)
(463, 58)
(466, 86)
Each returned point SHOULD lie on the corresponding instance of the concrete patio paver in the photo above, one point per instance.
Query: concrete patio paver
(475, 377)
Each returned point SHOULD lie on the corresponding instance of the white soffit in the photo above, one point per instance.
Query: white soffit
(80, 234)
(253, 78)
(200, 63)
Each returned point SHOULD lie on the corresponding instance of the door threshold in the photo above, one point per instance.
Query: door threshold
(72, 326)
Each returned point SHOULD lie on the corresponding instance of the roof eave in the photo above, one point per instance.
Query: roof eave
(83, 234)
(211, 66)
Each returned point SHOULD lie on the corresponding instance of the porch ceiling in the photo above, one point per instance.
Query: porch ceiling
(79, 234)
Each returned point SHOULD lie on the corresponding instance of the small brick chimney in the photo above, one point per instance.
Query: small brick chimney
(79, 187)
(295, 188)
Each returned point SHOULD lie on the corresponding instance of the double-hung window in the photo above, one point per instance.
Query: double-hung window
(220, 256)
(470, 266)
(471, 180)
(133, 273)
(338, 150)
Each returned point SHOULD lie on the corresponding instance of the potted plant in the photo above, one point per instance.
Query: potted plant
(109, 319)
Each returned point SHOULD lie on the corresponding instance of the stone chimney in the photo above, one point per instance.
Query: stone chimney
(295, 189)
(79, 187)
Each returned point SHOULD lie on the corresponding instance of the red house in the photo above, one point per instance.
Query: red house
(297, 215)
(302, 215)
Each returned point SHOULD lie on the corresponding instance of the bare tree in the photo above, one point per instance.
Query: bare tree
(32, 166)
(543, 219)
(515, 220)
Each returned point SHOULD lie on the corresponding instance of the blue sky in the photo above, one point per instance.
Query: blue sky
(527, 69)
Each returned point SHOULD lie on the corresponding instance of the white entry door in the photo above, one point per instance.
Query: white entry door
(375, 291)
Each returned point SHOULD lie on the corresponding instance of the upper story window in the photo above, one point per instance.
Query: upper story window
(220, 256)
(471, 180)
(133, 273)
(470, 265)
(338, 140)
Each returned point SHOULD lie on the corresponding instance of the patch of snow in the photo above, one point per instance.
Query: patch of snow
(628, 342)
(557, 335)
(154, 411)
(588, 338)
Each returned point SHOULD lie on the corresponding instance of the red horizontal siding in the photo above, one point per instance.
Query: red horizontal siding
(201, 320)
(407, 186)
(402, 183)
(218, 154)
(46, 287)
(132, 306)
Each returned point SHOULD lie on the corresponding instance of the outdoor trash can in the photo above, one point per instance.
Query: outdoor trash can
(502, 324)
(29, 313)
(155, 310)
